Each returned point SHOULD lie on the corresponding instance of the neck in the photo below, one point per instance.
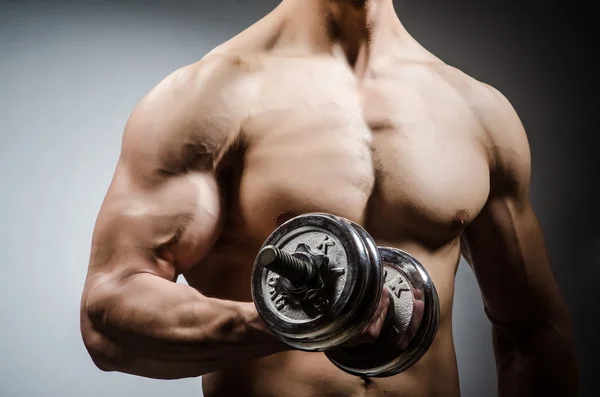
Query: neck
(354, 28)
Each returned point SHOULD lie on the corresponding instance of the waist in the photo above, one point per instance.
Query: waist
(302, 374)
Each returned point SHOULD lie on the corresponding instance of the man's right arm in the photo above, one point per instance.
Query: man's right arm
(160, 217)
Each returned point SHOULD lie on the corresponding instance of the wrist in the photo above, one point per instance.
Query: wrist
(257, 331)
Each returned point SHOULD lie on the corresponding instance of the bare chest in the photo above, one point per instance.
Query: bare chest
(397, 152)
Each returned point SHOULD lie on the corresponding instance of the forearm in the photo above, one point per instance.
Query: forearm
(155, 328)
(535, 361)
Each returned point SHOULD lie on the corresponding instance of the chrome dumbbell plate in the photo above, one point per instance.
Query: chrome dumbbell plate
(408, 331)
(339, 243)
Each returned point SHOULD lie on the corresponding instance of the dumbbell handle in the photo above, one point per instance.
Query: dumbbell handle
(295, 270)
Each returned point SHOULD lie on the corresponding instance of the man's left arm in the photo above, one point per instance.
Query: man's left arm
(531, 332)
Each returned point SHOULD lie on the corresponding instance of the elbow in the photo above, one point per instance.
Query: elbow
(105, 353)
(100, 351)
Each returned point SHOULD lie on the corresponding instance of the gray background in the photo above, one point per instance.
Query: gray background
(71, 72)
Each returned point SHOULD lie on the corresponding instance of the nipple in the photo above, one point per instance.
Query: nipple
(460, 220)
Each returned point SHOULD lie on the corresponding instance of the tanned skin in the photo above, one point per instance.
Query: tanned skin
(328, 106)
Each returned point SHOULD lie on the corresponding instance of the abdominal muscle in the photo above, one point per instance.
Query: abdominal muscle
(304, 374)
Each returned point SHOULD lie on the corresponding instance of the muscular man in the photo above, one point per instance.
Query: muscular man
(322, 106)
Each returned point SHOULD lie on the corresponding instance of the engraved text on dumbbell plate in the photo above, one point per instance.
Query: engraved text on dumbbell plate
(402, 296)
(277, 295)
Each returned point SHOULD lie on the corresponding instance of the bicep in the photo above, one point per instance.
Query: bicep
(164, 228)
(162, 212)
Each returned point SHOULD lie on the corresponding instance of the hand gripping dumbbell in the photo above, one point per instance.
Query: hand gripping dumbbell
(317, 282)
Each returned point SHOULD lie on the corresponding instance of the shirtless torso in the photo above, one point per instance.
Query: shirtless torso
(273, 124)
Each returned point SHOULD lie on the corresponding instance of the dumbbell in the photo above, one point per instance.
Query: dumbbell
(317, 282)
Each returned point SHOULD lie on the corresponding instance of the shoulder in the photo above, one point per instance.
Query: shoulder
(502, 133)
(193, 112)
(200, 86)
